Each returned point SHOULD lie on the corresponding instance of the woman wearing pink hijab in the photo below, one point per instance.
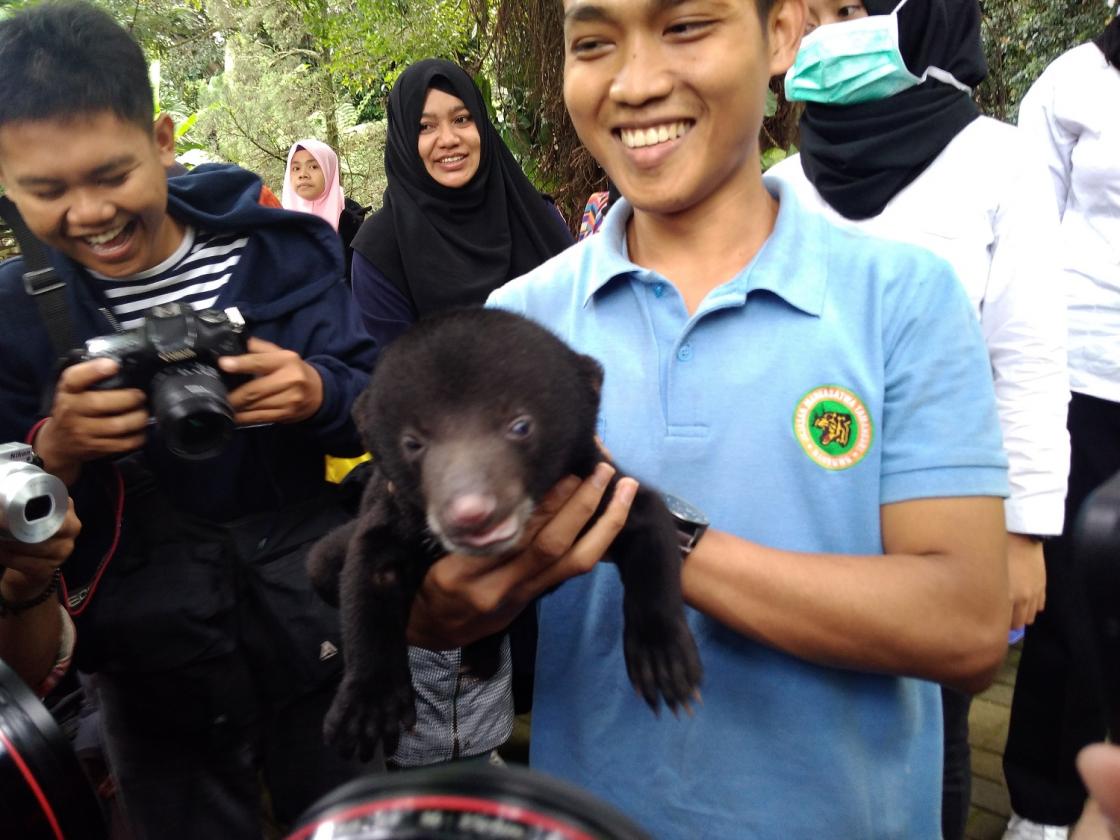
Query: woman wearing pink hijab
(311, 185)
(311, 182)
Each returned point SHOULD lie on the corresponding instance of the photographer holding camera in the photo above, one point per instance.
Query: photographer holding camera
(212, 361)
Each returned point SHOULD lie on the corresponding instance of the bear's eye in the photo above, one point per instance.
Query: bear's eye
(411, 446)
(520, 428)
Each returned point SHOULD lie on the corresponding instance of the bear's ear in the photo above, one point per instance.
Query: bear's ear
(591, 372)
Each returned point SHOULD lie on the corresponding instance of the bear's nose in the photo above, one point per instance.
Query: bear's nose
(470, 510)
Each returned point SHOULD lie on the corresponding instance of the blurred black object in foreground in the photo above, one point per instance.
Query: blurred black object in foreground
(44, 794)
(1096, 545)
(463, 802)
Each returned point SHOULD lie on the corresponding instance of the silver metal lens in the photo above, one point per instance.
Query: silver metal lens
(32, 502)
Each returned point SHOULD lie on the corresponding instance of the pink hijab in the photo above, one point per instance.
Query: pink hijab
(327, 206)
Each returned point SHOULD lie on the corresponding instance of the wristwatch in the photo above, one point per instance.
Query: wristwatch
(690, 521)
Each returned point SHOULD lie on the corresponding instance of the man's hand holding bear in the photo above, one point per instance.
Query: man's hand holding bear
(465, 598)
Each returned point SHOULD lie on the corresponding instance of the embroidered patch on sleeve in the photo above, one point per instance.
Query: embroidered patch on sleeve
(833, 426)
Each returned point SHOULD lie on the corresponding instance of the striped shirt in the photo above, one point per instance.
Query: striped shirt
(195, 274)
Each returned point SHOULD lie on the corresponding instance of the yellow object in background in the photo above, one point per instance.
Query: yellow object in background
(339, 468)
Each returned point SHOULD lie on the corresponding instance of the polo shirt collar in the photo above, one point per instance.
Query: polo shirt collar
(792, 263)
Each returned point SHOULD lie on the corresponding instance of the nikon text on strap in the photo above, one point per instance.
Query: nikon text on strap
(41, 281)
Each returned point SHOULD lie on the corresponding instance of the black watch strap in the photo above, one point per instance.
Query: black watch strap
(8, 608)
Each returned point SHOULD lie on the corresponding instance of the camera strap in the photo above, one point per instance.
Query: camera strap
(41, 281)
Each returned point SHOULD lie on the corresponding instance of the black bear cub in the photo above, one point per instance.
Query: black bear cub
(471, 416)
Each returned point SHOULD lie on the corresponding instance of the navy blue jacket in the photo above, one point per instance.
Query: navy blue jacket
(289, 288)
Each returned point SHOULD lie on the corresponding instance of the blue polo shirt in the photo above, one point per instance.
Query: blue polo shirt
(834, 374)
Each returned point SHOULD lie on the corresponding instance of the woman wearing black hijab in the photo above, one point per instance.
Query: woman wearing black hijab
(860, 156)
(893, 145)
(459, 217)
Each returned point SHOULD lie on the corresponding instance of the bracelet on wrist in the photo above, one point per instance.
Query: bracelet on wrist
(8, 608)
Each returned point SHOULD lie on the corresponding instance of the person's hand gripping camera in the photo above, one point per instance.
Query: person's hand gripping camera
(196, 375)
(38, 527)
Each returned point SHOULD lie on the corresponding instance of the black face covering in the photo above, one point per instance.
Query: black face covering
(446, 246)
(1109, 42)
(860, 156)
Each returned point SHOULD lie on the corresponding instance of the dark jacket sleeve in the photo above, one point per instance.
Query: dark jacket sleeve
(329, 336)
(385, 312)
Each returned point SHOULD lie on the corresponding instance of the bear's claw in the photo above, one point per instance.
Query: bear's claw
(362, 716)
(663, 663)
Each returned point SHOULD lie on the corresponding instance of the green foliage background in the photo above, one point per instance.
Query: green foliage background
(1021, 37)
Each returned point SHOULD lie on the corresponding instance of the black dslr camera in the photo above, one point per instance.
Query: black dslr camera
(173, 357)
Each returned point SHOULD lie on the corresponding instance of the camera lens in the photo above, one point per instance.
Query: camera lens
(463, 803)
(44, 794)
(32, 502)
(192, 410)
(38, 507)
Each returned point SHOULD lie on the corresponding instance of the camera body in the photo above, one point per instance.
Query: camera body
(173, 358)
(33, 503)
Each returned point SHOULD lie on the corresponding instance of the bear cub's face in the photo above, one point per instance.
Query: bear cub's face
(472, 416)
(472, 471)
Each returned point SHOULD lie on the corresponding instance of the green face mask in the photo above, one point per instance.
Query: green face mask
(851, 62)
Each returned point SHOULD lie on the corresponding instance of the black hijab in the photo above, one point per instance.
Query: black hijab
(1109, 42)
(444, 246)
(860, 156)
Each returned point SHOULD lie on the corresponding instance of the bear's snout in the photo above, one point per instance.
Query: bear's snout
(469, 511)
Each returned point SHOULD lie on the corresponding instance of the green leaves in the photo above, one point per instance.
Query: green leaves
(1021, 37)
(775, 155)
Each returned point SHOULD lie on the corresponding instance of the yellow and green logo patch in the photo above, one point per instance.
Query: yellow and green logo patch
(833, 427)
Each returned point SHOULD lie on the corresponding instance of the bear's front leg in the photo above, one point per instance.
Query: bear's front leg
(661, 656)
(375, 698)
(326, 560)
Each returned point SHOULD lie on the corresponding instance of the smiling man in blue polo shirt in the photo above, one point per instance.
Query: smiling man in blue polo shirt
(824, 397)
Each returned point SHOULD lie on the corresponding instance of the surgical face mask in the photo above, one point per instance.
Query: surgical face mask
(851, 62)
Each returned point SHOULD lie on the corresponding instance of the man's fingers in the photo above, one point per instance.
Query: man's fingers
(111, 426)
(260, 345)
(37, 559)
(591, 547)
(109, 403)
(263, 391)
(1099, 766)
(80, 377)
(558, 496)
(553, 501)
(269, 399)
(555, 538)
(258, 417)
(263, 357)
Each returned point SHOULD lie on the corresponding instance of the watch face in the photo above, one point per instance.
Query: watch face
(683, 510)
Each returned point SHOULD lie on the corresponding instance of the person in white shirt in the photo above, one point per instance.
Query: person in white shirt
(892, 143)
(1070, 114)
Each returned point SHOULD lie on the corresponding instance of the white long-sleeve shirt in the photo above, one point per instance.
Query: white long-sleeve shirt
(1071, 114)
(985, 206)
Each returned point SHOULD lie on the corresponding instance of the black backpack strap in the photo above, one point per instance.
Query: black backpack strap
(41, 281)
